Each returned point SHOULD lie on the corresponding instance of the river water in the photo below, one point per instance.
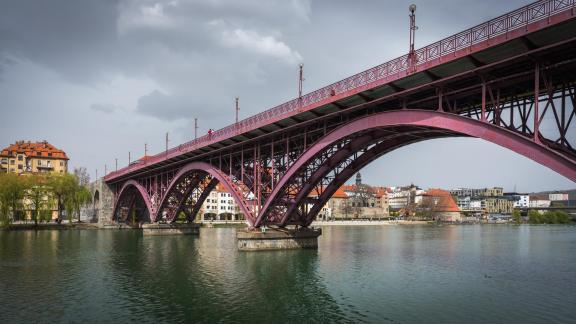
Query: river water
(378, 274)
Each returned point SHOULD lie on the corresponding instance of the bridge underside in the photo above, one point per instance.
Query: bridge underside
(519, 94)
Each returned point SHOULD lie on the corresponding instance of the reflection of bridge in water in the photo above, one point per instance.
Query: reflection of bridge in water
(509, 81)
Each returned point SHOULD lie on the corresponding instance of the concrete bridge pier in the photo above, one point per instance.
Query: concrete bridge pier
(156, 229)
(277, 239)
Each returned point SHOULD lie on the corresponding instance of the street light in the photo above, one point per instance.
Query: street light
(411, 53)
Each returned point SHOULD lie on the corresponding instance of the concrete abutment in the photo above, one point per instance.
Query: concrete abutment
(277, 239)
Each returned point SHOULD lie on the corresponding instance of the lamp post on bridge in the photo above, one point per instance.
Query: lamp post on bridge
(413, 28)
(237, 108)
(167, 144)
(300, 85)
(300, 80)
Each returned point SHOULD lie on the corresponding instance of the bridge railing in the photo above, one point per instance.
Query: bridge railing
(386, 72)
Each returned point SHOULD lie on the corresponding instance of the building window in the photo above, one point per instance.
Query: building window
(49, 154)
(12, 162)
(19, 166)
(19, 157)
(61, 163)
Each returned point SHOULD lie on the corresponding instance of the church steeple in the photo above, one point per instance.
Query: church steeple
(358, 179)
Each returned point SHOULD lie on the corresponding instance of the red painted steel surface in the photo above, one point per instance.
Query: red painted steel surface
(515, 24)
(141, 190)
(439, 120)
(214, 172)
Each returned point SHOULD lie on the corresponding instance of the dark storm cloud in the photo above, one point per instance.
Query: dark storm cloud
(75, 38)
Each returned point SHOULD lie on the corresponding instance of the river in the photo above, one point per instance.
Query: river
(376, 274)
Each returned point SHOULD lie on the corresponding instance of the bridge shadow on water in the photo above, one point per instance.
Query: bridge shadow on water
(205, 279)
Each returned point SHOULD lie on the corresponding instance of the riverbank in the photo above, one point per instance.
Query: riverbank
(367, 222)
(49, 226)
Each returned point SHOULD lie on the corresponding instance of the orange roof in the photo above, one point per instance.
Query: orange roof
(38, 149)
(340, 193)
(445, 201)
(380, 191)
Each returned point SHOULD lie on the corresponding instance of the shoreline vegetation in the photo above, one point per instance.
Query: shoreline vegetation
(43, 197)
(238, 224)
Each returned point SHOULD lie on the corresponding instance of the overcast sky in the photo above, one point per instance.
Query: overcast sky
(99, 78)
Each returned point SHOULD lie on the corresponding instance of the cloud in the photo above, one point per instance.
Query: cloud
(105, 108)
(169, 107)
(252, 41)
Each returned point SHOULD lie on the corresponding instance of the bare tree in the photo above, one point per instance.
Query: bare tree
(82, 175)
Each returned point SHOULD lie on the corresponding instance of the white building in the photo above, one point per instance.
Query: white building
(401, 197)
(220, 205)
(539, 203)
(522, 202)
(477, 204)
(558, 196)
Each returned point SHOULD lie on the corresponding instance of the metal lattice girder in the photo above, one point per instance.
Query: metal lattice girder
(440, 121)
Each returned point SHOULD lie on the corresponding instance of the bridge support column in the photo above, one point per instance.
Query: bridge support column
(170, 229)
(277, 239)
(102, 206)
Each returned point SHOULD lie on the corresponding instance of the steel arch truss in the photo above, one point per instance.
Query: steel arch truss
(132, 204)
(180, 190)
(186, 196)
(332, 160)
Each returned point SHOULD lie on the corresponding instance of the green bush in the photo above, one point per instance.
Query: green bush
(550, 217)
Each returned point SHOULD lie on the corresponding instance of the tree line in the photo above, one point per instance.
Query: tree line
(35, 196)
(548, 217)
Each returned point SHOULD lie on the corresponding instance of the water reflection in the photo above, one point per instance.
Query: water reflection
(472, 274)
(205, 278)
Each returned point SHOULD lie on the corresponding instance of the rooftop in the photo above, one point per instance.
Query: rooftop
(33, 149)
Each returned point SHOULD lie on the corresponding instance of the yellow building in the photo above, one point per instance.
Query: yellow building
(499, 206)
(33, 157)
(494, 192)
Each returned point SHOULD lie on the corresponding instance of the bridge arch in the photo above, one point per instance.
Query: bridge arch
(217, 177)
(382, 133)
(131, 194)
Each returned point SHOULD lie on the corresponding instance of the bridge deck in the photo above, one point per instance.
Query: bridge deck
(544, 27)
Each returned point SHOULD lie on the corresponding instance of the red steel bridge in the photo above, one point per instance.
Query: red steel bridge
(510, 81)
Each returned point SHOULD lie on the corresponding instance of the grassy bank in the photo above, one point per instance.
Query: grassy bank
(52, 226)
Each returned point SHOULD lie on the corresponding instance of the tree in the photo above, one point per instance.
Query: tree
(516, 216)
(12, 190)
(82, 196)
(82, 175)
(37, 195)
(62, 187)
